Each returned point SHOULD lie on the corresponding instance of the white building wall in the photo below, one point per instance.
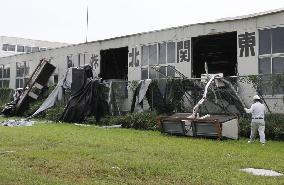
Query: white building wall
(246, 65)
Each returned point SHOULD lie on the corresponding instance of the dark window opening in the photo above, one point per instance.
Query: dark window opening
(114, 63)
(219, 51)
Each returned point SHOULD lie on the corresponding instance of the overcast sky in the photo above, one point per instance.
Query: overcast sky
(65, 20)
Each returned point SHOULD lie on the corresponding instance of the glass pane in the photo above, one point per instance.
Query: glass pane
(145, 54)
(6, 83)
(264, 66)
(17, 83)
(5, 47)
(264, 42)
(20, 48)
(171, 52)
(278, 65)
(277, 40)
(11, 47)
(152, 74)
(28, 49)
(26, 68)
(6, 71)
(153, 54)
(35, 49)
(21, 83)
(265, 85)
(278, 68)
(20, 69)
(162, 72)
(162, 53)
(144, 74)
(171, 71)
(1, 71)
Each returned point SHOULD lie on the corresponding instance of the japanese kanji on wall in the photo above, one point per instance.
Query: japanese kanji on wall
(94, 61)
(134, 57)
(183, 51)
(247, 44)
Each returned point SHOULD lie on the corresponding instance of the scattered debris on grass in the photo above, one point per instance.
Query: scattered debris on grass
(6, 152)
(112, 126)
(261, 172)
(12, 123)
(83, 125)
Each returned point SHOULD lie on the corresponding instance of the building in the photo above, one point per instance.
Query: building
(14, 45)
(245, 45)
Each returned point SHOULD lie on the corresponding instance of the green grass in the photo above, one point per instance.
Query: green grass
(69, 154)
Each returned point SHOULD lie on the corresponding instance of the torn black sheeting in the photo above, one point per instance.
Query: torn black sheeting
(91, 101)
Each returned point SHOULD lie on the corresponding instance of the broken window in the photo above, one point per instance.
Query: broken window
(218, 51)
(114, 63)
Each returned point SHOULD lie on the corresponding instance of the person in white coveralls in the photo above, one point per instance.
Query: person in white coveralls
(257, 110)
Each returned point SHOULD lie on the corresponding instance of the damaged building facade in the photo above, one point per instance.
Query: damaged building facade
(240, 46)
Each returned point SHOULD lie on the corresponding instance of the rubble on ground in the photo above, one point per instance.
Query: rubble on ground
(12, 123)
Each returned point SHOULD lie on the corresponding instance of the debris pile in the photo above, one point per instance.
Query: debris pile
(13, 123)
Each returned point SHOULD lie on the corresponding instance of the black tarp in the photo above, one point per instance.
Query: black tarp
(90, 101)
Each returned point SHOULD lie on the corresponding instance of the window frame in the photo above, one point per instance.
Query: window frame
(23, 78)
(269, 56)
(3, 77)
(167, 63)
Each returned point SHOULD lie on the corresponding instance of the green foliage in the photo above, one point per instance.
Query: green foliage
(274, 126)
(133, 85)
(142, 121)
(54, 113)
(5, 96)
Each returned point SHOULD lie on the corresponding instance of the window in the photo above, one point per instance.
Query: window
(35, 49)
(22, 71)
(5, 47)
(159, 55)
(20, 48)
(11, 47)
(4, 76)
(28, 49)
(8, 47)
(271, 59)
(171, 52)
(162, 53)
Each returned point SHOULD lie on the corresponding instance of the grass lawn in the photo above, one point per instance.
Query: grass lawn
(69, 154)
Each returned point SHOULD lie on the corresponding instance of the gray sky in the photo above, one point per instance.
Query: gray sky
(65, 20)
